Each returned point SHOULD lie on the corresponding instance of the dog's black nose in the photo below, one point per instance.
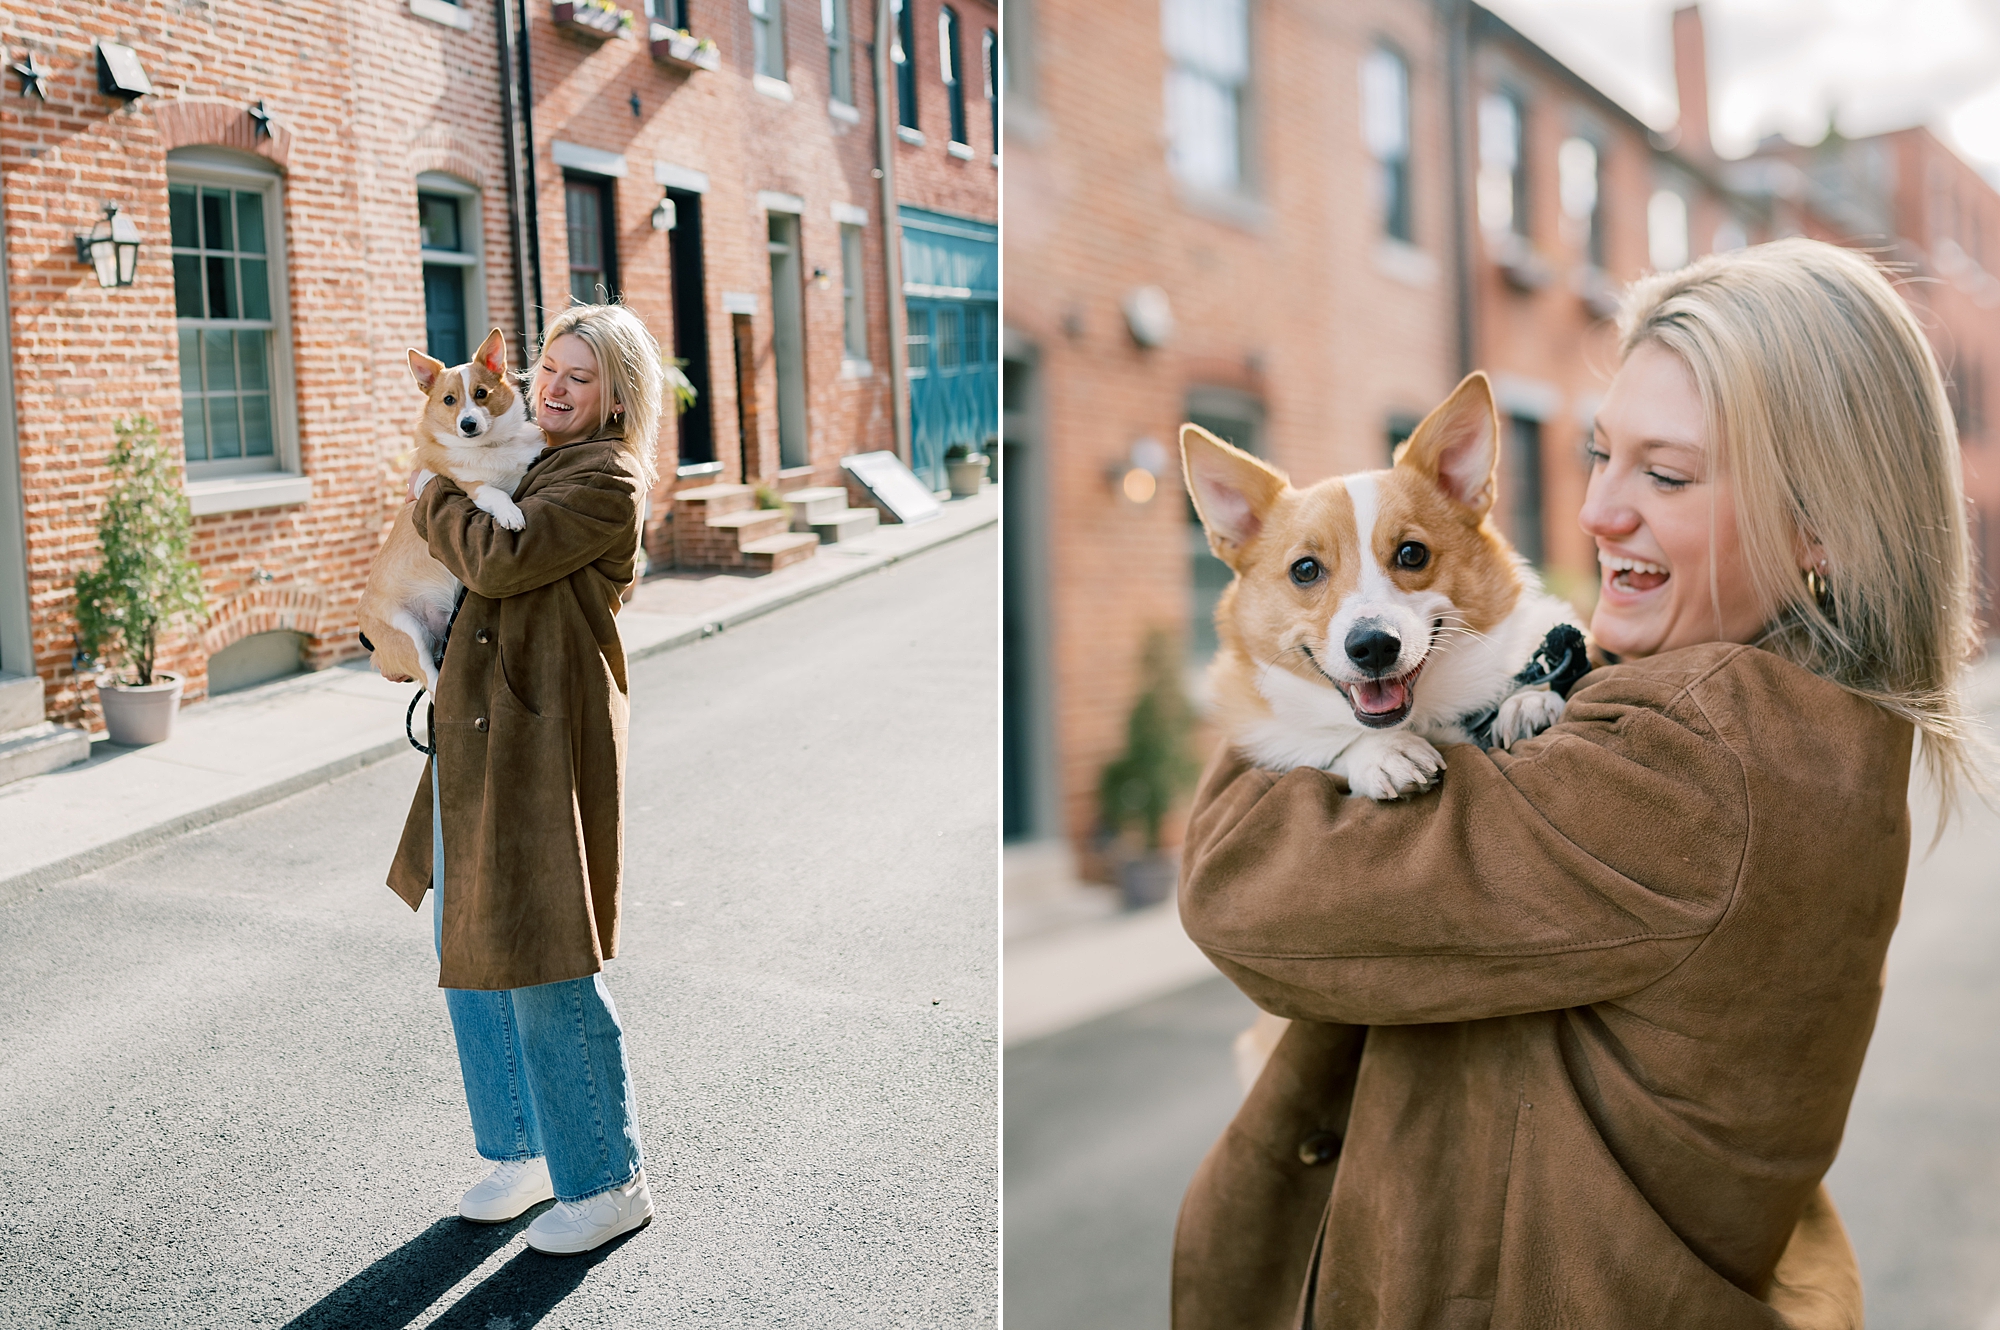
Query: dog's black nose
(1372, 650)
(468, 426)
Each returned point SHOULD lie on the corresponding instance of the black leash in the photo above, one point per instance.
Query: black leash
(437, 659)
(1559, 662)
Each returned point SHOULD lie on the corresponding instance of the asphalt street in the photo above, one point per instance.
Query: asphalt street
(1106, 1123)
(232, 1097)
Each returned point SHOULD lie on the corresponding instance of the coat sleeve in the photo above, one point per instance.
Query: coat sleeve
(1578, 869)
(569, 524)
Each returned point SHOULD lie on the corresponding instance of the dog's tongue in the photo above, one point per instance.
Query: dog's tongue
(1378, 697)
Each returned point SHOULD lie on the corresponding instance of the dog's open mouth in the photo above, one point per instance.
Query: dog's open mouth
(1380, 703)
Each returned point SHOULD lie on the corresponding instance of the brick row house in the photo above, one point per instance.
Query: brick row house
(319, 185)
(1298, 225)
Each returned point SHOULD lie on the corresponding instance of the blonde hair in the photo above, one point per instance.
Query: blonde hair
(628, 366)
(1830, 417)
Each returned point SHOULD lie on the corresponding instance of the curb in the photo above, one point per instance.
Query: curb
(100, 856)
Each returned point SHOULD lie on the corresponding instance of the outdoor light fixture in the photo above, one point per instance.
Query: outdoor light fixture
(663, 215)
(112, 247)
(1149, 315)
(821, 278)
(1138, 477)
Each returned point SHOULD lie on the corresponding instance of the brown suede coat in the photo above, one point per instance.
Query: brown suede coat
(1577, 1030)
(531, 724)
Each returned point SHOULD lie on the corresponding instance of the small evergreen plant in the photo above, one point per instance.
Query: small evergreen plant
(145, 581)
(1158, 765)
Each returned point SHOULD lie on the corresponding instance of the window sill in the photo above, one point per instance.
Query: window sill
(1229, 206)
(694, 469)
(913, 137)
(1405, 263)
(842, 111)
(856, 369)
(235, 494)
(962, 151)
(776, 89)
(441, 11)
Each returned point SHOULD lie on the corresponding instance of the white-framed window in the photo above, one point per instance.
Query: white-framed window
(853, 298)
(226, 221)
(902, 52)
(1385, 129)
(1208, 76)
(1577, 187)
(1667, 230)
(950, 72)
(989, 50)
(839, 63)
(767, 31)
(448, 227)
(1502, 184)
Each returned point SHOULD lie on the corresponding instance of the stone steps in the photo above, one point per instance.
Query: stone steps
(823, 511)
(30, 745)
(774, 552)
(721, 526)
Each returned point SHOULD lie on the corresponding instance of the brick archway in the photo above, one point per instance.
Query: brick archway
(441, 149)
(297, 607)
(201, 121)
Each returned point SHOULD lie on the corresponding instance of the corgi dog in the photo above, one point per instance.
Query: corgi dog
(474, 429)
(1375, 616)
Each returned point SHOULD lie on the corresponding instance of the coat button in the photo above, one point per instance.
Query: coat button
(1322, 1147)
(482, 637)
(480, 724)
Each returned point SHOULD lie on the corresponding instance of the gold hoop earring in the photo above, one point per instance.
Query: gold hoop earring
(1821, 593)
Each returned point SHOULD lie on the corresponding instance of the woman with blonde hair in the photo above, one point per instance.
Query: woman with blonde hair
(1575, 1033)
(517, 827)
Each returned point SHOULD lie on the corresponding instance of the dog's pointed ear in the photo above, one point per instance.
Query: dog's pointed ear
(1457, 447)
(424, 369)
(1232, 491)
(492, 354)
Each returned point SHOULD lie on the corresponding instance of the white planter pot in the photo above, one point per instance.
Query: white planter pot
(136, 716)
(965, 475)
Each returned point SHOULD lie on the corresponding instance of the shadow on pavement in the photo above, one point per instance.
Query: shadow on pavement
(403, 1284)
(520, 1293)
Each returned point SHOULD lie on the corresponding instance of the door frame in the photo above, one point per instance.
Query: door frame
(788, 336)
(17, 653)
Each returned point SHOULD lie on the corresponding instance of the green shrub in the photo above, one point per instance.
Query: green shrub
(145, 581)
(1158, 765)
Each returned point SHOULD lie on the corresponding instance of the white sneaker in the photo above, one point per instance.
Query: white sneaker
(507, 1192)
(569, 1227)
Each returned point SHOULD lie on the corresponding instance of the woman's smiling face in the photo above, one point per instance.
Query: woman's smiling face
(568, 390)
(1670, 561)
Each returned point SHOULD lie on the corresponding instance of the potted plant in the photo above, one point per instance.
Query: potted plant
(965, 469)
(593, 18)
(144, 583)
(1141, 787)
(678, 46)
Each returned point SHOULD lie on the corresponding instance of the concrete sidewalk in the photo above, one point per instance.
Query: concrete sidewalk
(245, 749)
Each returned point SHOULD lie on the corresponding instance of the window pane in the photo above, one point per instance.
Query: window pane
(256, 289)
(180, 209)
(1202, 130)
(252, 360)
(257, 425)
(1212, 36)
(437, 216)
(1385, 105)
(215, 228)
(250, 223)
(194, 430)
(947, 339)
(444, 312)
(585, 249)
(187, 286)
(218, 353)
(221, 288)
(225, 439)
(190, 361)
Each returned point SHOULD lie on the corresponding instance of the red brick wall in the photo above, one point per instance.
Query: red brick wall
(365, 96)
(1285, 299)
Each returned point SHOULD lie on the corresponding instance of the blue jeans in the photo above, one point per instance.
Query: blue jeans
(544, 1067)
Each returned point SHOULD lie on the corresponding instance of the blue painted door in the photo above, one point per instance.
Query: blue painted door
(951, 294)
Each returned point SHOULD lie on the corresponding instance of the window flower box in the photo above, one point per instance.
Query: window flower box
(677, 46)
(596, 19)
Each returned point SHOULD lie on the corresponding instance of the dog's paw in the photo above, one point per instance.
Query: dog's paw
(504, 510)
(1390, 766)
(1525, 715)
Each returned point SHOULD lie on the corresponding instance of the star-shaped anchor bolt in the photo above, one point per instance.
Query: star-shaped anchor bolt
(262, 115)
(34, 75)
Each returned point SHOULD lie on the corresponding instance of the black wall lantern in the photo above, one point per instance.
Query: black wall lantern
(112, 247)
